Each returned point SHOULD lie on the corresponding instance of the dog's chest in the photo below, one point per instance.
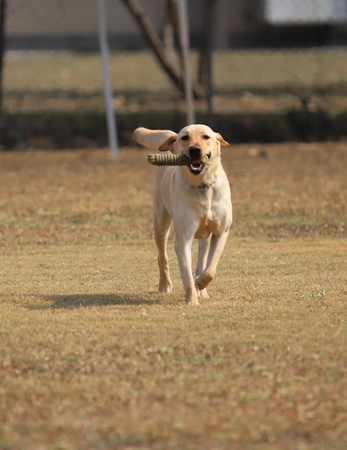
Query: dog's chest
(206, 227)
(211, 219)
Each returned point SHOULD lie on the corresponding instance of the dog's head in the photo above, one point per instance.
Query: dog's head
(198, 142)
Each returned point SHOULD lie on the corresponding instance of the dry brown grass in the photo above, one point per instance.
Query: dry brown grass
(93, 358)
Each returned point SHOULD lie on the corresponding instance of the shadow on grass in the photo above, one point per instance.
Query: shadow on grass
(74, 301)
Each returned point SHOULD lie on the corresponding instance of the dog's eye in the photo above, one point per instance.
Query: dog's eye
(185, 138)
(206, 137)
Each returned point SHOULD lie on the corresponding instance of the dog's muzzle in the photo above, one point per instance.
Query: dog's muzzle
(196, 167)
(199, 161)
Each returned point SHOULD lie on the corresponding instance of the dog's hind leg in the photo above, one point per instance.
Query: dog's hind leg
(162, 224)
(204, 246)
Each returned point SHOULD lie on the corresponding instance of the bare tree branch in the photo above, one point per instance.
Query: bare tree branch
(158, 47)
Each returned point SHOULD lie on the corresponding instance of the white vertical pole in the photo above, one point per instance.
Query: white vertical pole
(184, 42)
(110, 115)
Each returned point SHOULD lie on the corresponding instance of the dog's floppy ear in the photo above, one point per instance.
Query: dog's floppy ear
(168, 144)
(223, 143)
(153, 139)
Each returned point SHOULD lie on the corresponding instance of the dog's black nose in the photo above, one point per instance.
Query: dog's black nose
(195, 152)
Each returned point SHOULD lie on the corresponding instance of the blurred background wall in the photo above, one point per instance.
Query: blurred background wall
(71, 25)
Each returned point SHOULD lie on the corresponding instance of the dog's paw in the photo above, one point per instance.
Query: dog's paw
(203, 293)
(191, 296)
(193, 302)
(165, 288)
(204, 280)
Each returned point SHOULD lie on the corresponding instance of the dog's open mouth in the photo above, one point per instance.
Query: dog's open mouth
(197, 167)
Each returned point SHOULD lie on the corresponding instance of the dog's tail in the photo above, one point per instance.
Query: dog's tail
(152, 138)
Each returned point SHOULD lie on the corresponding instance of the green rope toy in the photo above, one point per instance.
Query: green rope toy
(170, 159)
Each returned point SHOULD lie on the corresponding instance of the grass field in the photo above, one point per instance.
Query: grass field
(92, 357)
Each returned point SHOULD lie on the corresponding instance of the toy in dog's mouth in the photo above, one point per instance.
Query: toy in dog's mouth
(197, 167)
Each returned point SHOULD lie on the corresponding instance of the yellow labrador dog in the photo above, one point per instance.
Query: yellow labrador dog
(196, 199)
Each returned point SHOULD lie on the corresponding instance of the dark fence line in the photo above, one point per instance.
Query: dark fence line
(70, 130)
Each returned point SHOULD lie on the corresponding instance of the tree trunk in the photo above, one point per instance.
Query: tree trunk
(205, 69)
(169, 28)
(158, 47)
(2, 53)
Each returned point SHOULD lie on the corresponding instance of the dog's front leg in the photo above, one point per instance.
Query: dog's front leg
(183, 248)
(216, 249)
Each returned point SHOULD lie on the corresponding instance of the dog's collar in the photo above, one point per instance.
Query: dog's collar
(203, 187)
